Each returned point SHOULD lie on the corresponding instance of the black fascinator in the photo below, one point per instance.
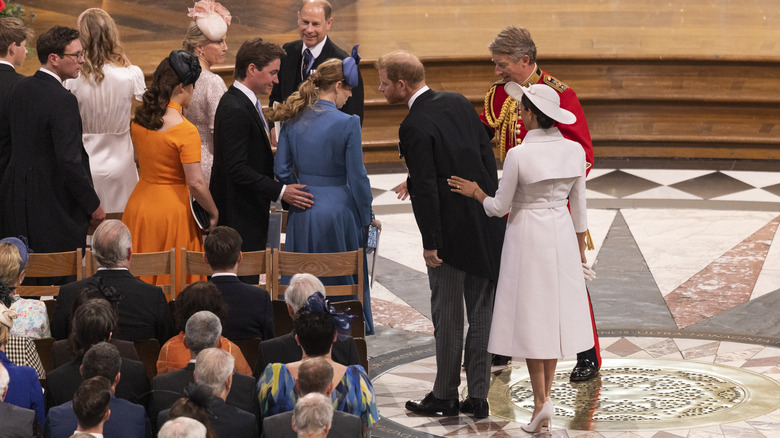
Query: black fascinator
(186, 66)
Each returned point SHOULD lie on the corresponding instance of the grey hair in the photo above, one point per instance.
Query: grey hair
(213, 367)
(302, 286)
(182, 427)
(312, 414)
(110, 243)
(514, 42)
(4, 380)
(203, 330)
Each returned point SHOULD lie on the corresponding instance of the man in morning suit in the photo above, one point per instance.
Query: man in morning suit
(315, 376)
(203, 330)
(102, 361)
(214, 374)
(285, 348)
(514, 54)
(46, 192)
(17, 422)
(314, 20)
(442, 136)
(13, 50)
(143, 310)
(242, 177)
(250, 312)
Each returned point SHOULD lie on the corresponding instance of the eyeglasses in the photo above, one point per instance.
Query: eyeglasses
(76, 55)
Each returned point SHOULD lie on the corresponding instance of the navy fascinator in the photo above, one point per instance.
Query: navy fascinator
(350, 66)
(318, 304)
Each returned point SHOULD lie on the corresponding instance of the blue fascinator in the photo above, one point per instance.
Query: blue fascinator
(318, 304)
(350, 65)
(24, 250)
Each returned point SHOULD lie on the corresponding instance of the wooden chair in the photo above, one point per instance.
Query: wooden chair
(354, 309)
(362, 350)
(55, 264)
(249, 347)
(283, 324)
(252, 263)
(319, 265)
(143, 264)
(44, 348)
(148, 350)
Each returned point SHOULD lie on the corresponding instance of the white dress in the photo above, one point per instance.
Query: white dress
(541, 309)
(209, 89)
(105, 120)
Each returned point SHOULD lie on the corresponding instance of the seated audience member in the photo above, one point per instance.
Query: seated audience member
(284, 348)
(198, 296)
(143, 311)
(17, 422)
(202, 331)
(63, 350)
(93, 323)
(102, 361)
(312, 416)
(25, 391)
(182, 427)
(314, 376)
(22, 352)
(214, 376)
(92, 407)
(316, 330)
(249, 309)
(193, 405)
(32, 319)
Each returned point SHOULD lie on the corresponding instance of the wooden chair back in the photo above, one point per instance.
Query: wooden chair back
(148, 350)
(145, 264)
(44, 348)
(283, 324)
(353, 308)
(55, 264)
(320, 265)
(362, 350)
(249, 347)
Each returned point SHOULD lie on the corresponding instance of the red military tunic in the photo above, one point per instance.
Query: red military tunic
(500, 114)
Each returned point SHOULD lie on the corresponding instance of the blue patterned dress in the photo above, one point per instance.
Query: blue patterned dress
(353, 395)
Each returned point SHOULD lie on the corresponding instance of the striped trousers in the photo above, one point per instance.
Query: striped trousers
(450, 288)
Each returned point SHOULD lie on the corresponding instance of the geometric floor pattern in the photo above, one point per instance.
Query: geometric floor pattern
(688, 270)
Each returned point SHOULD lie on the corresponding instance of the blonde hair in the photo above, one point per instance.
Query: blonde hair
(10, 261)
(327, 75)
(100, 39)
(194, 38)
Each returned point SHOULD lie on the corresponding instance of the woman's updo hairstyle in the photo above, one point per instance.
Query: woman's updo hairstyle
(545, 122)
(326, 76)
(167, 76)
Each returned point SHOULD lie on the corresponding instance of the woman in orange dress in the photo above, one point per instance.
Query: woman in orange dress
(168, 150)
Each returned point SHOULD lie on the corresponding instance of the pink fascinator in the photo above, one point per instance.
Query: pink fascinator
(211, 18)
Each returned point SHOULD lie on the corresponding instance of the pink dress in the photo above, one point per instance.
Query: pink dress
(209, 89)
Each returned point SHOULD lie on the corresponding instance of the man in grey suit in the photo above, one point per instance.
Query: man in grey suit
(17, 422)
(443, 136)
(314, 376)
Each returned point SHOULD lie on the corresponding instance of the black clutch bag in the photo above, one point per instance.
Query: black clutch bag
(199, 213)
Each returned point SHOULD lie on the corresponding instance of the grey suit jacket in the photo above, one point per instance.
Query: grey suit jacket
(17, 422)
(344, 425)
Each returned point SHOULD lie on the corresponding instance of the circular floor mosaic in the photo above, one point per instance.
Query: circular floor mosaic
(641, 394)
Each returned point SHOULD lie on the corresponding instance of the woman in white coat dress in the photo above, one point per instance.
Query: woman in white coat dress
(541, 311)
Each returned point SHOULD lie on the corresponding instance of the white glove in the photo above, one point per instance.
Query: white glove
(589, 273)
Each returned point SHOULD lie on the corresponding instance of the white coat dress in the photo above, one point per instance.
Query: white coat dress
(541, 309)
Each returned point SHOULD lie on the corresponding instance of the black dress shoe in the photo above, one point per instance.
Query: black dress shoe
(477, 406)
(431, 405)
(585, 370)
(501, 361)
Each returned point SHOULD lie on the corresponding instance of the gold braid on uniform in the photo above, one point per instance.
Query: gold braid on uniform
(506, 119)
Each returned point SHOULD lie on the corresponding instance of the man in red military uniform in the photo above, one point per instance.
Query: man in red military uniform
(514, 54)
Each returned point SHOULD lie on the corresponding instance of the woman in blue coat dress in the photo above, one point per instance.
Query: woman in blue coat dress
(321, 147)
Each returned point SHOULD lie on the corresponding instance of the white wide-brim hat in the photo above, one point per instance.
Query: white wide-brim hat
(543, 97)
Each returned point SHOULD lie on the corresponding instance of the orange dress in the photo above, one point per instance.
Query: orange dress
(158, 211)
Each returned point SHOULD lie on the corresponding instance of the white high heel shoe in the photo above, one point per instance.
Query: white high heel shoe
(546, 413)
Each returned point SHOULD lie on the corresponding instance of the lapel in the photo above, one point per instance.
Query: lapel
(248, 107)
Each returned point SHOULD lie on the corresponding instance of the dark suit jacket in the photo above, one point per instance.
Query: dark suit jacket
(169, 387)
(440, 137)
(63, 381)
(127, 420)
(62, 352)
(46, 192)
(290, 75)
(344, 425)
(250, 312)
(284, 349)
(228, 421)
(17, 422)
(242, 177)
(8, 78)
(143, 311)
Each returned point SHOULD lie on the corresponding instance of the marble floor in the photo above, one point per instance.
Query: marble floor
(688, 274)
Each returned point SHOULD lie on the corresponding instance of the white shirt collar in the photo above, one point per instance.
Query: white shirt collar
(100, 268)
(316, 50)
(223, 274)
(47, 71)
(7, 63)
(244, 89)
(417, 94)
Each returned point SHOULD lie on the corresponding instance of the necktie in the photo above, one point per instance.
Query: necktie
(308, 60)
(259, 107)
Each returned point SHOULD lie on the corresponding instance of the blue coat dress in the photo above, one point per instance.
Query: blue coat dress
(322, 149)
